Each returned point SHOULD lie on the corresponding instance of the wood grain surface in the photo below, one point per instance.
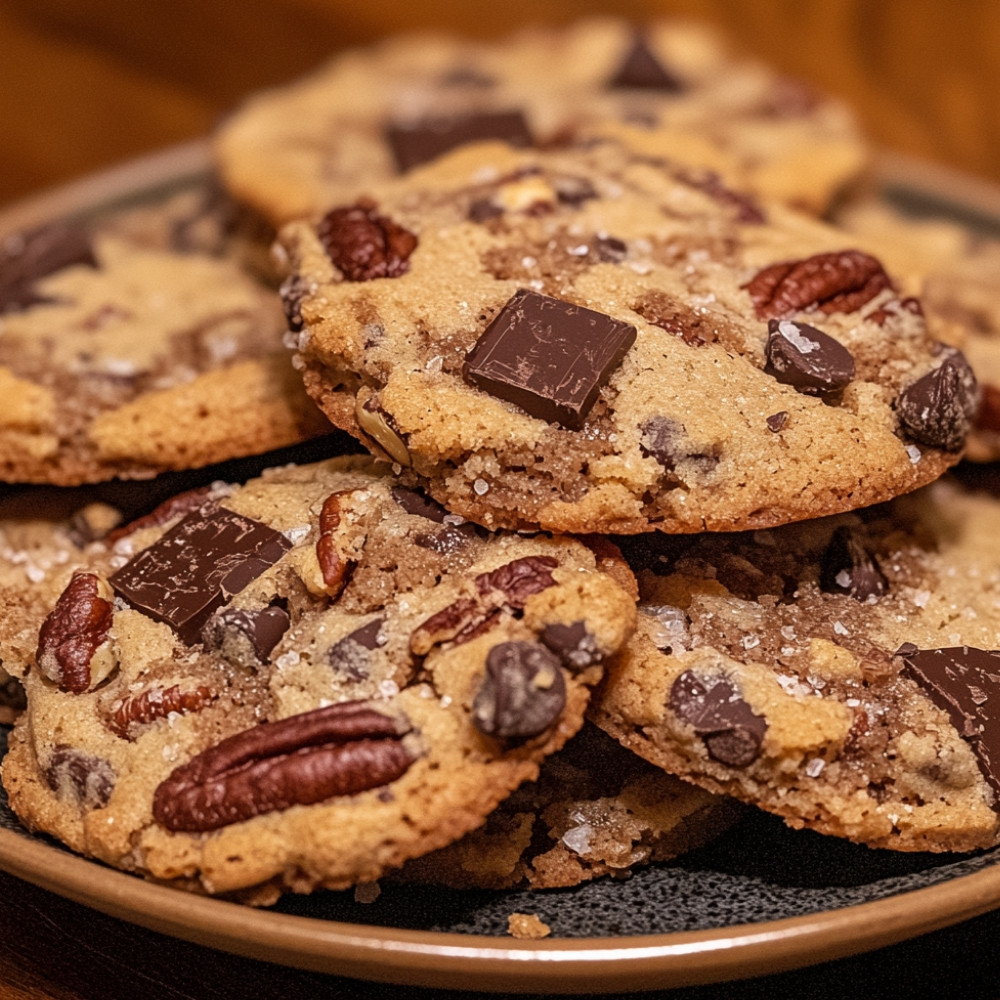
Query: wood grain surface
(84, 85)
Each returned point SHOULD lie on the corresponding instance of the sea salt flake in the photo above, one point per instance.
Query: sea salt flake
(815, 767)
(578, 839)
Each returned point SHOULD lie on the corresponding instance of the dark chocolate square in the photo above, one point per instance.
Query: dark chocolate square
(420, 142)
(197, 567)
(548, 356)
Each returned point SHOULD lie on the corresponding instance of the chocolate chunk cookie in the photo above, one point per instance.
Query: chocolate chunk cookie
(841, 673)
(594, 339)
(372, 114)
(304, 681)
(124, 357)
(595, 810)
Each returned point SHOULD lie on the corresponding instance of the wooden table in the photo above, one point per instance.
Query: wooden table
(85, 85)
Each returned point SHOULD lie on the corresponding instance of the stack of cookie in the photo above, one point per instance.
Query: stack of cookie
(648, 444)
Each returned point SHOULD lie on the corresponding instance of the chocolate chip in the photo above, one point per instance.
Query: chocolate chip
(574, 191)
(80, 777)
(641, 69)
(236, 632)
(573, 644)
(664, 440)
(365, 245)
(937, 409)
(349, 656)
(419, 504)
(420, 142)
(807, 359)
(776, 421)
(548, 356)
(446, 540)
(847, 567)
(27, 257)
(965, 682)
(732, 732)
(482, 210)
(610, 249)
(522, 694)
(197, 567)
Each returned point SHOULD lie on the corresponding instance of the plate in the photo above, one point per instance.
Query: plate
(761, 899)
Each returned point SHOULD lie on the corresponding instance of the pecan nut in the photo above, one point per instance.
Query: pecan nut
(74, 648)
(332, 566)
(505, 588)
(840, 281)
(137, 710)
(341, 749)
(174, 507)
(365, 245)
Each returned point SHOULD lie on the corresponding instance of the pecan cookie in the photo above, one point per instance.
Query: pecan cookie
(840, 673)
(595, 810)
(304, 681)
(594, 339)
(120, 357)
(372, 114)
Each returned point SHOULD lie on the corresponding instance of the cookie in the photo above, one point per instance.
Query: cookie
(123, 359)
(957, 269)
(304, 681)
(594, 339)
(372, 114)
(595, 810)
(840, 673)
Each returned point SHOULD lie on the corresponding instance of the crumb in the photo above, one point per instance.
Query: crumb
(367, 892)
(527, 926)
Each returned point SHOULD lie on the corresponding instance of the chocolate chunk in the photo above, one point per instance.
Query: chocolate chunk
(807, 359)
(30, 256)
(938, 409)
(447, 539)
(419, 504)
(776, 421)
(234, 631)
(573, 644)
(732, 732)
(574, 191)
(197, 567)
(641, 69)
(365, 245)
(610, 249)
(548, 356)
(420, 142)
(80, 777)
(482, 210)
(522, 694)
(847, 567)
(349, 656)
(663, 439)
(965, 682)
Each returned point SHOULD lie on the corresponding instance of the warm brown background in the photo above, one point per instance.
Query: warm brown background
(85, 84)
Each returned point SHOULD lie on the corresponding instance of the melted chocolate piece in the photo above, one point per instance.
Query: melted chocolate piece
(419, 504)
(732, 732)
(349, 656)
(80, 777)
(29, 256)
(413, 144)
(641, 69)
(573, 644)
(261, 629)
(937, 409)
(523, 693)
(807, 359)
(197, 567)
(965, 682)
(847, 567)
(776, 421)
(548, 356)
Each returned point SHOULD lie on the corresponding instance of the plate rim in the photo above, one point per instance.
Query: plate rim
(448, 959)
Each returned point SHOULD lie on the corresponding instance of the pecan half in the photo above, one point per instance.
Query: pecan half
(365, 245)
(73, 648)
(505, 588)
(155, 703)
(841, 281)
(332, 566)
(341, 749)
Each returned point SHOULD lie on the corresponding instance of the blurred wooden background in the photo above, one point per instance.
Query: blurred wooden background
(84, 85)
